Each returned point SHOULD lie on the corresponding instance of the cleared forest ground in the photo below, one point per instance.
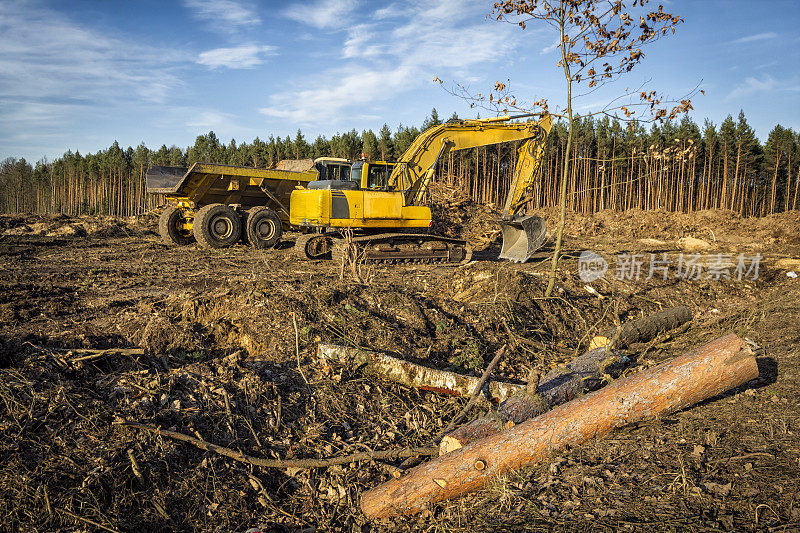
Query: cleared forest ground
(218, 328)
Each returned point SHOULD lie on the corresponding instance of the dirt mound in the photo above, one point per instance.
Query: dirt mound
(455, 215)
(725, 226)
(295, 165)
(78, 226)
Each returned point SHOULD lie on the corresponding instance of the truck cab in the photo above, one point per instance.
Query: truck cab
(332, 168)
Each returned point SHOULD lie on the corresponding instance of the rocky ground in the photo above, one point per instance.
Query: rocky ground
(222, 344)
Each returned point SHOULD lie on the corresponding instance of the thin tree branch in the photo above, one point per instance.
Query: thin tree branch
(398, 453)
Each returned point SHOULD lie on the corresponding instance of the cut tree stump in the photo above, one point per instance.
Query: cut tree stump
(686, 380)
(414, 375)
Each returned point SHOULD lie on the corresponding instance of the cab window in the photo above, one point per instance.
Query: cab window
(337, 172)
(355, 173)
(378, 176)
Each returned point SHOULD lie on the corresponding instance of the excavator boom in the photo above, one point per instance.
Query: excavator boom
(415, 167)
(522, 235)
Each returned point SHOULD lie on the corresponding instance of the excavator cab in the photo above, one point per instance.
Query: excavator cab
(373, 175)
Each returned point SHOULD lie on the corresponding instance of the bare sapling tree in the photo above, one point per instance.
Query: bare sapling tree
(599, 41)
(354, 260)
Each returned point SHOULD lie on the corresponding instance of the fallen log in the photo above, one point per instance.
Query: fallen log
(562, 384)
(558, 386)
(643, 329)
(709, 370)
(414, 375)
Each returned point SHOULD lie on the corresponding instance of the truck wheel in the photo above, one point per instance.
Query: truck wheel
(217, 226)
(263, 228)
(170, 227)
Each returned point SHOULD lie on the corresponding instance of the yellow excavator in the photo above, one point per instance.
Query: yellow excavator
(383, 202)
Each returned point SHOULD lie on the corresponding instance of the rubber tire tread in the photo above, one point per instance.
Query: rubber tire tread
(166, 227)
(201, 231)
(249, 233)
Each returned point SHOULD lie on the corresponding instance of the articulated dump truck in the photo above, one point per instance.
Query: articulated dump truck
(220, 205)
(382, 203)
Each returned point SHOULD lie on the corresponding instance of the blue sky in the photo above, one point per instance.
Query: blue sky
(80, 74)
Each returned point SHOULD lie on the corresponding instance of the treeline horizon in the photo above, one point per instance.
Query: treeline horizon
(674, 166)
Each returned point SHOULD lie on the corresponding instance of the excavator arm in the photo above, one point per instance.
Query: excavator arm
(529, 158)
(414, 169)
(522, 235)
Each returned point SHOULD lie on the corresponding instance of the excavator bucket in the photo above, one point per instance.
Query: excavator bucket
(521, 237)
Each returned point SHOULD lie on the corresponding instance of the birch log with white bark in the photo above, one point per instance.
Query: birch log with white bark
(414, 375)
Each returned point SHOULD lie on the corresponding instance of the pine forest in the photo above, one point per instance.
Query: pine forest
(680, 167)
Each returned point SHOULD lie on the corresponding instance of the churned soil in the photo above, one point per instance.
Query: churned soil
(222, 345)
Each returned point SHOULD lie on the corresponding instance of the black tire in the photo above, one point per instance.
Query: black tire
(169, 227)
(217, 226)
(243, 215)
(263, 228)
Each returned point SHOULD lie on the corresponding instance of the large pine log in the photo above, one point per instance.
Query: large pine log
(709, 370)
(558, 386)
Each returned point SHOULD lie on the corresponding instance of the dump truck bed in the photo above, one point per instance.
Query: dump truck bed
(163, 180)
(205, 183)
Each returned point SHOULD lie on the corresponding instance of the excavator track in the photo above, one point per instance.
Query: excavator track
(312, 246)
(404, 248)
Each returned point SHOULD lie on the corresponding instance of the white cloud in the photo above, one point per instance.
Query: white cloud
(325, 104)
(548, 49)
(757, 37)
(752, 86)
(226, 16)
(358, 42)
(322, 13)
(240, 57)
(45, 56)
(387, 59)
(390, 11)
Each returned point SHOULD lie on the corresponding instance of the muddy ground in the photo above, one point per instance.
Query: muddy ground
(220, 329)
